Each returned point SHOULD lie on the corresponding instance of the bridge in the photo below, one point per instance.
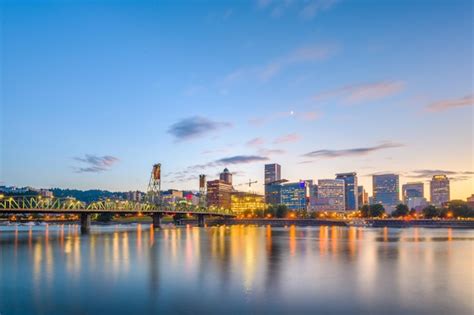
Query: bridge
(51, 205)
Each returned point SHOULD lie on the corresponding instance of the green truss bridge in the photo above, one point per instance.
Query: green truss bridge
(18, 205)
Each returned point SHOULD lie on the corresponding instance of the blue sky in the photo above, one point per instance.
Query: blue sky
(94, 93)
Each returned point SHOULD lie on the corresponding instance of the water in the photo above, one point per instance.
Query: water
(234, 270)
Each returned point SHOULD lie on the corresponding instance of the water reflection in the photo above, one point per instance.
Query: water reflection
(243, 268)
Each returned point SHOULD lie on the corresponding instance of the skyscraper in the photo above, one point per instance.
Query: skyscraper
(411, 190)
(439, 190)
(226, 176)
(331, 195)
(272, 173)
(295, 195)
(386, 190)
(273, 183)
(350, 190)
(362, 196)
(218, 193)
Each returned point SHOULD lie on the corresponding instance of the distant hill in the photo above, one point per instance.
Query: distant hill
(87, 195)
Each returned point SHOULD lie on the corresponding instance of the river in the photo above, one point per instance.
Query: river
(132, 269)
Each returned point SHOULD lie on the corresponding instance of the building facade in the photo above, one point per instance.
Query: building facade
(273, 193)
(416, 203)
(362, 196)
(226, 176)
(386, 190)
(295, 195)
(412, 190)
(439, 190)
(331, 195)
(243, 202)
(350, 190)
(219, 194)
(272, 173)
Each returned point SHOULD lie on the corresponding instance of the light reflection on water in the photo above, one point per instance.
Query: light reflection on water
(133, 269)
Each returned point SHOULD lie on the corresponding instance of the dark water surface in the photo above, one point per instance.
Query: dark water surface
(232, 270)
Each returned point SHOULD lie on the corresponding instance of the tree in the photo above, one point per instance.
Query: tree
(460, 208)
(105, 217)
(400, 211)
(281, 211)
(376, 210)
(365, 211)
(431, 212)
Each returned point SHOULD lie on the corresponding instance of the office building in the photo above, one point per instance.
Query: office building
(386, 190)
(439, 190)
(295, 195)
(218, 194)
(350, 190)
(331, 195)
(362, 196)
(416, 203)
(411, 190)
(273, 193)
(243, 201)
(272, 173)
(226, 176)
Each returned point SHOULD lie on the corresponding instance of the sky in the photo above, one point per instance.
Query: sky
(93, 93)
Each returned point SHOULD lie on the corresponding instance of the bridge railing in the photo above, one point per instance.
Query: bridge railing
(43, 203)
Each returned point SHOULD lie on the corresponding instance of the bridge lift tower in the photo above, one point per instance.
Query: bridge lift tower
(154, 186)
(202, 191)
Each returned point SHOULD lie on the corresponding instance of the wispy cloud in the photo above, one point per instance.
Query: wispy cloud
(95, 164)
(313, 7)
(195, 127)
(351, 152)
(266, 152)
(353, 94)
(240, 159)
(306, 9)
(428, 173)
(289, 138)
(442, 105)
(255, 142)
(306, 54)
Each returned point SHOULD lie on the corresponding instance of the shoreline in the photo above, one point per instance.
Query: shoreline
(374, 223)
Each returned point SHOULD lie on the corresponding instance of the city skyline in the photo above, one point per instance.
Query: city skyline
(95, 97)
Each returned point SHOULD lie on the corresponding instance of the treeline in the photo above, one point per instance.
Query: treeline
(87, 195)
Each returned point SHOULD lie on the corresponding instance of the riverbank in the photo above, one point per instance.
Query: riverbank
(376, 223)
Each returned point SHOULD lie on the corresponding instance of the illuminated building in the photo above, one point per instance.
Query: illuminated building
(439, 190)
(218, 193)
(331, 196)
(273, 184)
(417, 203)
(362, 196)
(295, 195)
(386, 190)
(244, 201)
(226, 176)
(350, 190)
(272, 173)
(411, 190)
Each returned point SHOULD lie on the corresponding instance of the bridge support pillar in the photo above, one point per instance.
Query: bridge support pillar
(85, 223)
(157, 220)
(201, 220)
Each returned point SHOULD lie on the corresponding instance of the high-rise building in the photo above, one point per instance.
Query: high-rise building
(411, 190)
(218, 193)
(362, 196)
(417, 203)
(386, 190)
(295, 195)
(244, 201)
(273, 183)
(226, 176)
(350, 190)
(273, 193)
(313, 196)
(331, 195)
(272, 173)
(439, 190)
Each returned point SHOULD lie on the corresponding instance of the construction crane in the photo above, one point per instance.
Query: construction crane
(249, 183)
